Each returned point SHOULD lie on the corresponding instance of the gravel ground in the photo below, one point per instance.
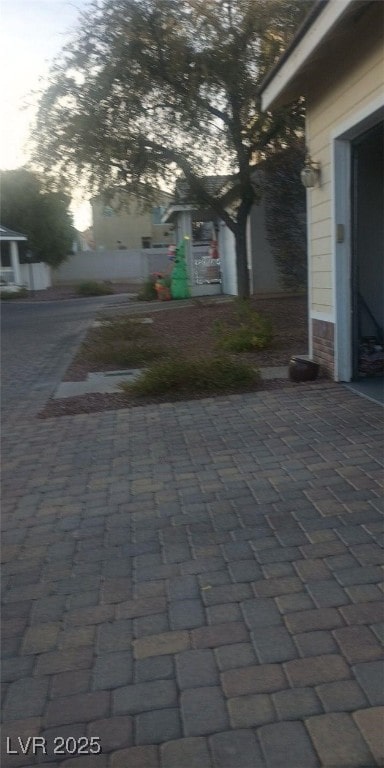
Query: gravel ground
(189, 329)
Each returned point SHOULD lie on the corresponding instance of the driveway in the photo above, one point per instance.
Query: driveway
(195, 584)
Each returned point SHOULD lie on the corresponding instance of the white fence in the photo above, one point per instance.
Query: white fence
(117, 266)
(155, 260)
(35, 276)
(135, 266)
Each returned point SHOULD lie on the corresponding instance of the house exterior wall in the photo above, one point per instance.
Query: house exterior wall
(356, 82)
(129, 225)
(264, 272)
(264, 275)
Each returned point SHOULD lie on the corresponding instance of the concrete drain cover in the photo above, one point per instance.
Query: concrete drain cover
(140, 320)
(130, 373)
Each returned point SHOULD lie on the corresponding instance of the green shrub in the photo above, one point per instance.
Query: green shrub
(196, 375)
(285, 216)
(93, 288)
(9, 295)
(124, 342)
(164, 280)
(148, 291)
(123, 327)
(248, 333)
(124, 355)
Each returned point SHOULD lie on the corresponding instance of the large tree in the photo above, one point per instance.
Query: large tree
(285, 213)
(41, 215)
(149, 89)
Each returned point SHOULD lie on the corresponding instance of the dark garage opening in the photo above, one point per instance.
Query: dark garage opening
(368, 256)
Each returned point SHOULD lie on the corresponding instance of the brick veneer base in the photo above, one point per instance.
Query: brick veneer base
(323, 334)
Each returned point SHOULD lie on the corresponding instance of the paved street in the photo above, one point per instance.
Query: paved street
(195, 585)
(37, 343)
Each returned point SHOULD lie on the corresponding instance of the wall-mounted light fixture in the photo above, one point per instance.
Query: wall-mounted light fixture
(310, 174)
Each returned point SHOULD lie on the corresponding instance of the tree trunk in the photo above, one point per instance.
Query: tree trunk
(243, 287)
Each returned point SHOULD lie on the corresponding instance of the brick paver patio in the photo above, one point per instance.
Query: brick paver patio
(197, 585)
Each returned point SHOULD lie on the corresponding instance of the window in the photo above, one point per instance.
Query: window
(157, 212)
(145, 242)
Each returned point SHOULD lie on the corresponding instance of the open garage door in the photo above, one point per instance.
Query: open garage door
(368, 253)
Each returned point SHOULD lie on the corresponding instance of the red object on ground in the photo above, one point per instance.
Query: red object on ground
(213, 250)
(163, 292)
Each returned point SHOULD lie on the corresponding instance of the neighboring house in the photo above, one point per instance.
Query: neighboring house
(336, 61)
(133, 224)
(203, 226)
(86, 240)
(16, 274)
(10, 273)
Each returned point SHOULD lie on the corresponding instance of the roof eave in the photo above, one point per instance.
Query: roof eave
(11, 239)
(8, 235)
(276, 88)
(173, 209)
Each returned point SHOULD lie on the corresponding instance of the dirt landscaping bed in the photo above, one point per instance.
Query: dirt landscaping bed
(189, 330)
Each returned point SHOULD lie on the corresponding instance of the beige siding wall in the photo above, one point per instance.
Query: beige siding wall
(129, 225)
(357, 81)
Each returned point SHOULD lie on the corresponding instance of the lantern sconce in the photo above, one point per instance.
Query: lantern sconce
(310, 174)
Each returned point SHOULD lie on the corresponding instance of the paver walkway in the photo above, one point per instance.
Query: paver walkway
(195, 585)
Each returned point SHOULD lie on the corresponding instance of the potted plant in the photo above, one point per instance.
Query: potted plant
(302, 368)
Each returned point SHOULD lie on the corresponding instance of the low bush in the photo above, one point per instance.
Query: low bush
(148, 290)
(93, 288)
(123, 327)
(195, 375)
(249, 331)
(124, 342)
(9, 295)
(163, 278)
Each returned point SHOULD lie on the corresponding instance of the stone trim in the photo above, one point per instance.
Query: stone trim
(323, 334)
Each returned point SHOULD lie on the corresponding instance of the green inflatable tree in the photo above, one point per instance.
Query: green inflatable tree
(179, 275)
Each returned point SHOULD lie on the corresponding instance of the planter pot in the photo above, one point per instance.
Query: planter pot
(303, 369)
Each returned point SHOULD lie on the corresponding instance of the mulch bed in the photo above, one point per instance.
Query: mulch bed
(189, 330)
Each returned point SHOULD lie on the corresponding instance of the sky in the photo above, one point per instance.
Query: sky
(32, 34)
